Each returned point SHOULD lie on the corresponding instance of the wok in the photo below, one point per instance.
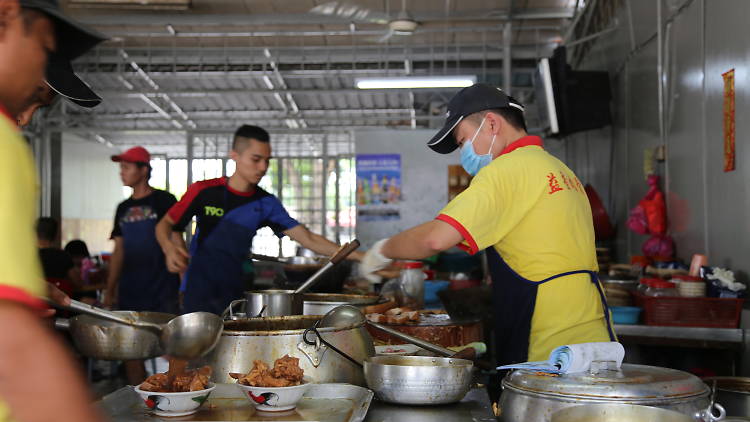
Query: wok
(107, 340)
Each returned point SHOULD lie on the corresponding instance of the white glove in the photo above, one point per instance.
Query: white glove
(374, 261)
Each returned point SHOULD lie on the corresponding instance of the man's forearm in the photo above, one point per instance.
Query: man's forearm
(115, 267)
(318, 244)
(409, 244)
(164, 234)
(422, 241)
(34, 364)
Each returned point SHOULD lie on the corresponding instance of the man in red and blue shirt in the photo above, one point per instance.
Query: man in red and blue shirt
(229, 211)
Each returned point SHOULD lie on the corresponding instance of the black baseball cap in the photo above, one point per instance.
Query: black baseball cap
(60, 76)
(470, 100)
(73, 39)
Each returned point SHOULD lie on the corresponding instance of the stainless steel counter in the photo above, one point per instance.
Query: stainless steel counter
(721, 335)
(474, 407)
(124, 405)
(734, 340)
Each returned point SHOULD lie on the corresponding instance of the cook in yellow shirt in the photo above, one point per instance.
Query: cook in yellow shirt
(530, 213)
(21, 278)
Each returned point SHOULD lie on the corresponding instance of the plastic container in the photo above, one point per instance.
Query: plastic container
(645, 283)
(661, 288)
(625, 314)
(411, 284)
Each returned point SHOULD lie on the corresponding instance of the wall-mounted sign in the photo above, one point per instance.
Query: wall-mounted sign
(378, 187)
(729, 120)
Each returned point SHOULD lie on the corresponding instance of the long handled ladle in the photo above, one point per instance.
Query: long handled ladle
(186, 336)
(348, 315)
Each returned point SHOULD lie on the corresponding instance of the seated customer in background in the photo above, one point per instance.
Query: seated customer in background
(82, 264)
(57, 264)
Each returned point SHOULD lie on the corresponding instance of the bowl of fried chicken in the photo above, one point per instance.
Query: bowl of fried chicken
(177, 392)
(276, 389)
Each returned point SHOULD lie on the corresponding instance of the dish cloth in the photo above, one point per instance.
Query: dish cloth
(573, 358)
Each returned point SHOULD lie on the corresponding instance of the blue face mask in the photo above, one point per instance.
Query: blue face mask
(470, 160)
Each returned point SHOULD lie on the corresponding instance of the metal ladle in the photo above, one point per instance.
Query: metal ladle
(187, 336)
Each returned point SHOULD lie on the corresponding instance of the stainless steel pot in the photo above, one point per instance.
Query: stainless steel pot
(733, 393)
(419, 380)
(530, 396)
(618, 413)
(268, 339)
(322, 303)
(271, 303)
(290, 302)
(106, 340)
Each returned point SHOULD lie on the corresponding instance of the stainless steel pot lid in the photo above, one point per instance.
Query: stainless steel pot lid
(637, 382)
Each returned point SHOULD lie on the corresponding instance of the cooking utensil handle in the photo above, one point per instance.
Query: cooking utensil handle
(337, 257)
(344, 251)
(413, 340)
(265, 258)
(62, 324)
(104, 314)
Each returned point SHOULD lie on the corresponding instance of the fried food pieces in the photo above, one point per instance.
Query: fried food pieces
(285, 373)
(184, 381)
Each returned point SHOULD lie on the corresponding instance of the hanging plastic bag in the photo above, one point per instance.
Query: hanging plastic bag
(661, 246)
(637, 221)
(655, 207)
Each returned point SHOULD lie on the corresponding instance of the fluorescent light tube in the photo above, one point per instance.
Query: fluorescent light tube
(416, 82)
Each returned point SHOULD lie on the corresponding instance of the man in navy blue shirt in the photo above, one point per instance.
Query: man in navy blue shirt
(138, 278)
(229, 212)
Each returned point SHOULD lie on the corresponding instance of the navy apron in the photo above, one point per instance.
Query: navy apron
(145, 283)
(214, 277)
(514, 298)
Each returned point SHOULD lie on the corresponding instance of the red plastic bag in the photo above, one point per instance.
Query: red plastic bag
(660, 246)
(650, 215)
(637, 221)
(655, 207)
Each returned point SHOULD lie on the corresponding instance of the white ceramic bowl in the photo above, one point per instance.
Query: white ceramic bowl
(174, 404)
(275, 399)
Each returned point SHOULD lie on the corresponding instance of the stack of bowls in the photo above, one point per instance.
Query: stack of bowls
(692, 288)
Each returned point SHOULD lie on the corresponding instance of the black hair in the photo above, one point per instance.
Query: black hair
(77, 249)
(142, 165)
(512, 115)
(47, 228)
(245, 132)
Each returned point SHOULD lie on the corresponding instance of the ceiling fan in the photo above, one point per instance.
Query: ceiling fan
(401, 24)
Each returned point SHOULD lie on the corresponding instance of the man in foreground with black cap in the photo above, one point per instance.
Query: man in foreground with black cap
(530, 214)
(34, 363)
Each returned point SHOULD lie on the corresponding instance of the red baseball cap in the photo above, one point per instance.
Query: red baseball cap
(133, 155)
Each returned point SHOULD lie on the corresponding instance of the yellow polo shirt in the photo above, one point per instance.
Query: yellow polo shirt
(21, 277)
(533, 210)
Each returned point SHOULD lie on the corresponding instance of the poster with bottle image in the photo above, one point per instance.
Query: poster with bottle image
(378, 187)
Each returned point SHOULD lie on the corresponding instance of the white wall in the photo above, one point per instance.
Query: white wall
(91, 190)
(424, 175)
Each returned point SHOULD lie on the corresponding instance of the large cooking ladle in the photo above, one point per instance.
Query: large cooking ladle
(347, 315)
(186, 336)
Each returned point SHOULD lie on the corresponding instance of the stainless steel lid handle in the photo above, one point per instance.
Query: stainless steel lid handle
(707, 415)
(229, 312)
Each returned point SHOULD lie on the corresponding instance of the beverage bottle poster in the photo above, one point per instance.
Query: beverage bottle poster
(378, 187)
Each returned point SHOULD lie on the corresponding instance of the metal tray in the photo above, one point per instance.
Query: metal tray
(322, 402)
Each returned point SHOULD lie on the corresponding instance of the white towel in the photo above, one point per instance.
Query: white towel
(573, 358)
